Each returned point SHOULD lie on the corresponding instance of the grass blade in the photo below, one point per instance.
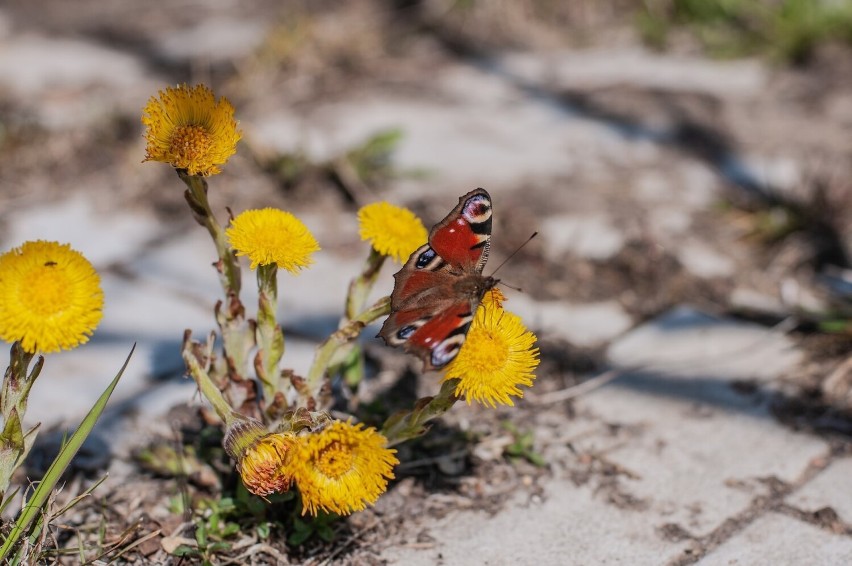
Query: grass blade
(57, 468)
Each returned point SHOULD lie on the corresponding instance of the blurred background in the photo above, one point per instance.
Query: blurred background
(687, 164)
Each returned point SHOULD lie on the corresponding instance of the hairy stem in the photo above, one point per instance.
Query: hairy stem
(347, 333)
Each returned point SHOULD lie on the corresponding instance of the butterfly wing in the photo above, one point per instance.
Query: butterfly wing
(440, 286)
(463, 238)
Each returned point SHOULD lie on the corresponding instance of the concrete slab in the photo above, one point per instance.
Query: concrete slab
(695, 450)
(687, 342)
(591, 236)
(311, 302)
(67, 83)
(454, 117)
(213, 40)
(571, 527)
(831, 488)
(103, 236)
(697, 447)
(778, 539)
(71, 381)
(590, 324)
(703, 261)
(31, 64)
(616, 67)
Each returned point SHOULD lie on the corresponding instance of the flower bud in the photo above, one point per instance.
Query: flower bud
(261, 457)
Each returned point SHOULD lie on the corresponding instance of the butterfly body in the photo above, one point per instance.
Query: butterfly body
(438, 290)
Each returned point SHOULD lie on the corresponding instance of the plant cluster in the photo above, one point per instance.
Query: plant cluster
(278, 426)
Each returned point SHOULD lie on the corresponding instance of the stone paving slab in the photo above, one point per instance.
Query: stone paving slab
(777, 539)
(688, 450)
(103, 236)
(592, 237)
(699, 456)
(699, 446)
(566, 529)
(310, 302)
(587, 324)
(71, 82)
(601, 68)
(454, 116)
(831, 488)
(704, 261)
(687, 342)
(71, 381)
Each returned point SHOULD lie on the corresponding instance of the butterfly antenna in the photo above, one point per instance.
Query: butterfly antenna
(511, 255)
(512, 287)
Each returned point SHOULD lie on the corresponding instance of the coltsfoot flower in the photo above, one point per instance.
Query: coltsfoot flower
(50, 297)
(262, 457)
(391, 230)
(264, 465)
(270, 236)
(188, 129)
(496, 358)
(342, 469)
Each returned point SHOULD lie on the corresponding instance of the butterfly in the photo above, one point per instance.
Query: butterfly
(438, 290)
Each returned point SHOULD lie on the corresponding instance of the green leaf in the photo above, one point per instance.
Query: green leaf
(297, 537)
(185, 550)
(201, 535)
(59, 465)
(11, 447)
(411, 424)
(536, 459)
(325, 532)
(837, 326)
(218, 547)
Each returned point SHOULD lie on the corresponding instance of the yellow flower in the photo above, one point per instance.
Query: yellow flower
(496, 358)
(342, 469)
(270, 236)
(264, 465)
(391, 230)
(494, 297)
(189, 129)
(50, 297)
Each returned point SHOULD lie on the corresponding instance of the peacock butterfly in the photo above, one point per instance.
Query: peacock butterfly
(438, 290)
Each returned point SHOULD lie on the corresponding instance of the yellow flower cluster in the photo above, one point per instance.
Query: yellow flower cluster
(496, 358)
(340, 469)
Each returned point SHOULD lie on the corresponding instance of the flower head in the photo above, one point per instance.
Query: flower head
(264, 465)
(189, 129)
(391, 230)
(497, 357)
(50, 297)
(342, 469)
(270, 236)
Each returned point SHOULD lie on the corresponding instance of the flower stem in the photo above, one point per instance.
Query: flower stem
(205, 384)
(196, 197)
(270, 339)
(16, 382)
(352, 366)
(237, 337)
(346, 334)
(406, 425)
(14, 442)
(360, 287)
